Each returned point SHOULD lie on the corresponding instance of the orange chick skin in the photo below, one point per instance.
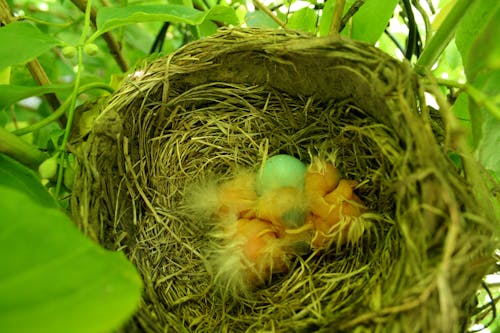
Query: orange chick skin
(262, 253)
(334, 208)
(237, 196)
(263, 231)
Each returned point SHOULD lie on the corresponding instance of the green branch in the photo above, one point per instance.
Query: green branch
(442, 37)
(479, 97)
(20, 150)
(62, 109)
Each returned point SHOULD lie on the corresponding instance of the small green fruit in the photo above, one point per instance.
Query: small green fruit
(48, 168)
(90, 49)
(69, 177)
(69, 52)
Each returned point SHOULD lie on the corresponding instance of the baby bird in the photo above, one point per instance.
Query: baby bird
(236, 196)
(262, 253)
(264, 219)
(334, 208)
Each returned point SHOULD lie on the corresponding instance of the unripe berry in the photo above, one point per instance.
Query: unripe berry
(68, 52)
(90, 49)
(48, 168)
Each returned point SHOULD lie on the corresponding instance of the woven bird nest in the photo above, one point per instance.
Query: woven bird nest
(231, 101)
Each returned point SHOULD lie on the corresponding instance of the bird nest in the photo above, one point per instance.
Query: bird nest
(228, 103)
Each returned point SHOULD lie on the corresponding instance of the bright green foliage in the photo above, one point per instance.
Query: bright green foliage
(259, 19)
(370, 21)
(471, 26)
(303, 19)
(16, 176)
(477, 41)
(21, 42)
(53, 279)
(11, 93)
(113, 17)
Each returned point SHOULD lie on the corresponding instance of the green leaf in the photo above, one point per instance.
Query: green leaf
(303, 19)
(16, 176)
(370, 21)
(481, 58)
(487, 150)
(112, 17)
(325, 19)
(21, 42)
(259, 19)
(10, 93)
(53, 279)
(471, 26)
(484, 51)
(5, 75)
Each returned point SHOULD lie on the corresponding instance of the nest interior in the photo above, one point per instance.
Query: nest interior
(228, 102)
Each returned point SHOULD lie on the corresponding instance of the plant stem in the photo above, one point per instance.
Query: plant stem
(73, 98)
(350, 13)
(480, 98)
(62, 109)
(337, 17)
(20, 150)
(442, 37)
(269, 13)
(425, 17)
(110, 40)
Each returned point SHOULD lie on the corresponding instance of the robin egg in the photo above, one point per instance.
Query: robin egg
(281, 171)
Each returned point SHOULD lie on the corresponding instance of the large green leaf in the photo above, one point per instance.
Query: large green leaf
(471, 26)
(10, 93)
(325, 20)
(369, 23)
(112, 17)
(259, 19)
(477, 42)
(53, 279)
(16, 176)
(487, 150)
(303, 19)
(21, 42)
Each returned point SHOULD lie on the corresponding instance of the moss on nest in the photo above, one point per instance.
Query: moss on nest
(228, 102)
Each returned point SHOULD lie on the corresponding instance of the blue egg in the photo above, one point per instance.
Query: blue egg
(281, 171)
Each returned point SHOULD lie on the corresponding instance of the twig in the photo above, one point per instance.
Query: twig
(160, 38)
(480, 98)
(395, 41)
(337, 16)
(62, 109)
(455, 132)
(491, 305)
(350, 13)
(412, 42)
(425, 17)
(113, 46)
(269, 13)
(431, 6)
